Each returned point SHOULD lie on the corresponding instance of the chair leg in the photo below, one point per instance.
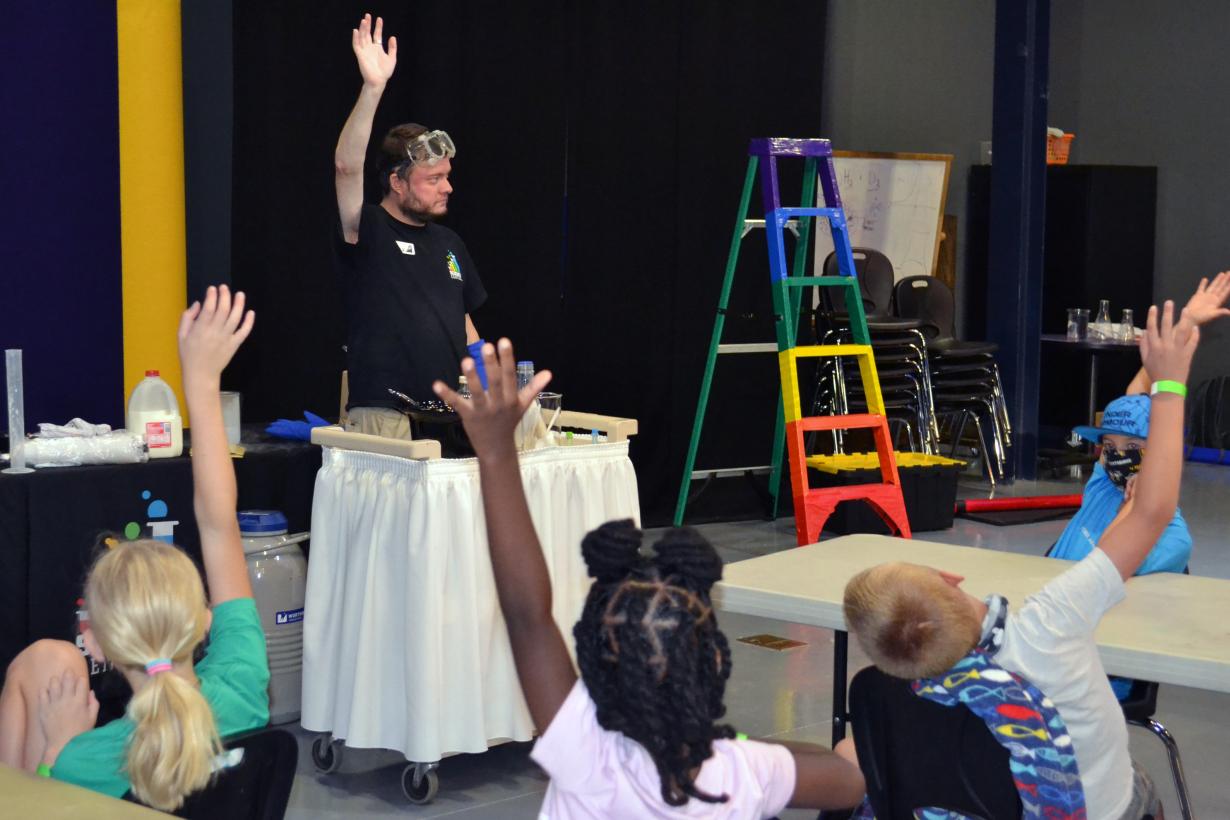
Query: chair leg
(1000, 450)
(986, 452)
(926, 371)
(1176, 763)
(909, 433)
(1001, 405)
(958, 423)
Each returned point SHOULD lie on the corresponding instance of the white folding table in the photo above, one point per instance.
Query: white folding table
(1171, 628)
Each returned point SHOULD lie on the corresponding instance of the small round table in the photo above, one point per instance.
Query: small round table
(1095, 349)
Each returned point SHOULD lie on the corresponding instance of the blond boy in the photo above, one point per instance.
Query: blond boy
(916, 622)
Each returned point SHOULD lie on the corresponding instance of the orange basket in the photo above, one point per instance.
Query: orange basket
(1057, 149)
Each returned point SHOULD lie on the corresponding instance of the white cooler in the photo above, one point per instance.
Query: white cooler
(278, 571)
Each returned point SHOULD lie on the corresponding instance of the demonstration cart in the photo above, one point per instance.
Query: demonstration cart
(404, 644)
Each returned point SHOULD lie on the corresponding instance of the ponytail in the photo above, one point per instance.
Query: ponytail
(147, 608)
(172, 750)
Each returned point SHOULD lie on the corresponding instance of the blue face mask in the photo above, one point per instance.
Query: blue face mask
(1120, 465)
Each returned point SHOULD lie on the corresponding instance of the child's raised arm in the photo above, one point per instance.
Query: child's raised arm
(1166, 350)
(521, 580)
(209, 335)
(1205, 305)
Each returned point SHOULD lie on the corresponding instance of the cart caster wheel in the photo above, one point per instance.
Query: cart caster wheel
(424, 791)
(326, 754)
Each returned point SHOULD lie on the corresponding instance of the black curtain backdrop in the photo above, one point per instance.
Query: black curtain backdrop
(601, 150)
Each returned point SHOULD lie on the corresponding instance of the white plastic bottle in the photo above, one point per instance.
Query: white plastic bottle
(153, 413)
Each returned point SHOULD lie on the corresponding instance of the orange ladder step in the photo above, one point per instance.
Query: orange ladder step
(812, 507)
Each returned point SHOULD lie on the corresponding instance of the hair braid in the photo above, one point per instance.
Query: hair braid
(650, 652)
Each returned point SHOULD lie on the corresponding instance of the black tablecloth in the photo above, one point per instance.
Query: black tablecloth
(52, 522)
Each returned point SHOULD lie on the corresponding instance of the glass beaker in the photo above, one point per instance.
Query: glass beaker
(1127, 327)
(1078, 324)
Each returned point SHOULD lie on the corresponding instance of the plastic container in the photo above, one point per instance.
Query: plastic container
(928, 487)
(153, 414)
(525, 373)
(1058, 148)
(278, 571)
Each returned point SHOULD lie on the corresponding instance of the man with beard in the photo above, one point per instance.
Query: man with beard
(409, 283)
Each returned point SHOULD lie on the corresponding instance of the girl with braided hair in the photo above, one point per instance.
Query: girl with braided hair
(638, 734)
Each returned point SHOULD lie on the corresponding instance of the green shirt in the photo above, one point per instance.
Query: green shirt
(234, 676)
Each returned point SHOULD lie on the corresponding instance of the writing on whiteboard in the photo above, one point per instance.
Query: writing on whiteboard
(893, 205)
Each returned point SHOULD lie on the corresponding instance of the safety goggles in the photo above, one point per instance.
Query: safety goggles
(430, 148)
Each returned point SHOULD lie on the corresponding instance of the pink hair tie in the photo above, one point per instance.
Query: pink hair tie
(158, 665)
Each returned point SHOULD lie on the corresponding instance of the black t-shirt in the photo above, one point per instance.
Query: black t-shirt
(408, 290)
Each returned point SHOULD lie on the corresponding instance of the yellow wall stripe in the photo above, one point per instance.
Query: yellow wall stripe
(151, 188)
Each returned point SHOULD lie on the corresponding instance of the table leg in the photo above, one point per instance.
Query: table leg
(840, 716)
(1093, 387)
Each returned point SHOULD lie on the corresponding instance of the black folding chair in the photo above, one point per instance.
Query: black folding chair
(257, 788)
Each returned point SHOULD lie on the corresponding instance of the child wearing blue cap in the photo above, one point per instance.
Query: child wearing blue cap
(1125, 426)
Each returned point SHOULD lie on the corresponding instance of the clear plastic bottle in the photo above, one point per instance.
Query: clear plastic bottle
(153, 414)
(525, 374)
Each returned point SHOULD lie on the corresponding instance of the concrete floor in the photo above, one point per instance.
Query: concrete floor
(788, 694)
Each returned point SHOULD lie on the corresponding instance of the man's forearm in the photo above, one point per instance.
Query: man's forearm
(352, 142)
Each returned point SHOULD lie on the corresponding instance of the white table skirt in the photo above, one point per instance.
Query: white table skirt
(404, 646)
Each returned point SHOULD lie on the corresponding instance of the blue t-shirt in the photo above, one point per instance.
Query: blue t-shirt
(1099, 506)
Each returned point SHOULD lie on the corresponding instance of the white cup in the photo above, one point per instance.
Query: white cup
(230, 415)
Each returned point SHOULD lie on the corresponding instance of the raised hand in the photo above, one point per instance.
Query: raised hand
(492, 414)
(1207, 302)
(210, 333)
(375, 64)
(1167, 347)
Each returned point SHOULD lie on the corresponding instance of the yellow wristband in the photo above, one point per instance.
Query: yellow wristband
(1168, 386)
(43, 770)
(740, 736)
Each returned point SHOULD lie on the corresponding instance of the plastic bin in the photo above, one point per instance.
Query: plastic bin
(928, 484)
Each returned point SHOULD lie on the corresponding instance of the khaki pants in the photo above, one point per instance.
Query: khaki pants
(379, 421)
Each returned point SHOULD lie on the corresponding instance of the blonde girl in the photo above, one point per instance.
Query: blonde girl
(148, 612)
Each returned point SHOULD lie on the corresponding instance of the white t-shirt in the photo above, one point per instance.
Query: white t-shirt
(596, 773)
(1049, 641)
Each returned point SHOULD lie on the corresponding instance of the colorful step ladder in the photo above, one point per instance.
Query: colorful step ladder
(812, 506)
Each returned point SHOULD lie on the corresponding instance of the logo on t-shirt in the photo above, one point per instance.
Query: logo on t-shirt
(454, 269)
(406, 247)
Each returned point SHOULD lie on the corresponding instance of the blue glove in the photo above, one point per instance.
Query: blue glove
(298, 430)
(475, 349)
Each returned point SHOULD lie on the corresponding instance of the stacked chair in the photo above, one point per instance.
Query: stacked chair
(964, 376)
(900, 353)
(927, 376)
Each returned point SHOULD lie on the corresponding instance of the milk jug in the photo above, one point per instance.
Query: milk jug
(153, 413)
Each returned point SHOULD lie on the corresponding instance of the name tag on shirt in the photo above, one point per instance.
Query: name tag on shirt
(406, 247)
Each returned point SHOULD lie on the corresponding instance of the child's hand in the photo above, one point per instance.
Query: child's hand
(1167, 346)
(210, 333)
(1206, 303)
(66, 708)
(492, 414)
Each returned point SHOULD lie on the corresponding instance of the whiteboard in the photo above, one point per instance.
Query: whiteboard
(894, 203)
